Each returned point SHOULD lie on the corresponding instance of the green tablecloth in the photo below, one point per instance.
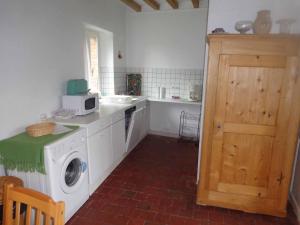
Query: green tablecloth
(26, 153)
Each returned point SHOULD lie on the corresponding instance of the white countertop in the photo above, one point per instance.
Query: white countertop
(171, 100)
(106, 110)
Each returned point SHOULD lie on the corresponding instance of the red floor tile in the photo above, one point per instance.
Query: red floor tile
(156, 185)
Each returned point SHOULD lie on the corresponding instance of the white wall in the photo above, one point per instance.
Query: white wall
(165, 117)
(166, 39)
(41, 46)
(225, 13)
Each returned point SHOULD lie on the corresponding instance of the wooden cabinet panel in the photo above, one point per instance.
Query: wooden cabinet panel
(248, 121)
(236, 168)
(253, 95)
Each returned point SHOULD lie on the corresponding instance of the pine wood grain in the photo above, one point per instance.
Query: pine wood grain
(173, 3)
(133, 5)
(153, 4)
(251, 122)
(195, 3)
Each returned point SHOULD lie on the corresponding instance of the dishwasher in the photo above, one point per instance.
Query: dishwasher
(133, 126)
(128, 117)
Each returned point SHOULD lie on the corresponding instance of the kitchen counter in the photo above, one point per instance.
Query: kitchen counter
(178, 101)
(106, 110)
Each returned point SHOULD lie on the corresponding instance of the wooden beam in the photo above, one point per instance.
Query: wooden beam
(195, 3)
(173, 3)
(132, 4)
(153, 3)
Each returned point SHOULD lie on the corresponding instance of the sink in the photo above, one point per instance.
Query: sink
(119, 99)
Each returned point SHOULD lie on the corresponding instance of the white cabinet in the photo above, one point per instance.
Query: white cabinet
(106, 142)
(145, 124)
(100, 156)
(118, 140)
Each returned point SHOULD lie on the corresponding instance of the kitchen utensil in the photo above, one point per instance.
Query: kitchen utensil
(161, 92)
(243, 26)
(263, 22)
(195, 92)
(285, 25)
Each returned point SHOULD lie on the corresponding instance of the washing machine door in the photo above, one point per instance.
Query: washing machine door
(73, 172)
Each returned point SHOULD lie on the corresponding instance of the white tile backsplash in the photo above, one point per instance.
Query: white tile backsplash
(177, 82)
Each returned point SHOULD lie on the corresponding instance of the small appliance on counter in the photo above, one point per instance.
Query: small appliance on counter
(78, 99)
(81, 104)
(195, 94)
(161, 92)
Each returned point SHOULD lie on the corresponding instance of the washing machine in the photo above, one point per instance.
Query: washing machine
(67, 171)
(66, 177)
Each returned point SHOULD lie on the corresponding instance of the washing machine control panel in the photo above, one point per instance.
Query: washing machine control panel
(66, 145)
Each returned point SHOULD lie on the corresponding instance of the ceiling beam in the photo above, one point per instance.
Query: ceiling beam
(173, 3)
(195, 3)
(153, 4)
(132, 4)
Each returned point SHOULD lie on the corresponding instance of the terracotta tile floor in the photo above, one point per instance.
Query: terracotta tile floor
(155, 185)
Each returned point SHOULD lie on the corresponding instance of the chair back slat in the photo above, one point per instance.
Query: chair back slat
(28, 215)
(38, 215)
(17, 213)
(47, 220)
(60, 214)
(41, 201)
(7, 212)
(44, 208)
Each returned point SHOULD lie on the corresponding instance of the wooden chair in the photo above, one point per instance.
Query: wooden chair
(40, 206)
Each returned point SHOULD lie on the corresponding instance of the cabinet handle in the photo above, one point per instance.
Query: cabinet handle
(280, 178)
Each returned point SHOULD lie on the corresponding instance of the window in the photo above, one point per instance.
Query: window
(92, 47)
(99, 60)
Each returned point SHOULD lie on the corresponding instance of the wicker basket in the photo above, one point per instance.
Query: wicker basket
(40, 129)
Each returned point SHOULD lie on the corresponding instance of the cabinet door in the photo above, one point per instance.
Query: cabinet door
(144, 123)
(100, 156)
(253, 109)
(118, 139)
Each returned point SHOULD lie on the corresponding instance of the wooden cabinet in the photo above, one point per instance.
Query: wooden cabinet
(251, 122)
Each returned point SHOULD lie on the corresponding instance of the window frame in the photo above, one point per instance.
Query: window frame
(91, 33)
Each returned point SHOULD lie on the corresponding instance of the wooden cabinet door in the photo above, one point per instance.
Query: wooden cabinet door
(254, 101)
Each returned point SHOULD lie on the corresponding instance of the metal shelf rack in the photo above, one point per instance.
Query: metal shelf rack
(189, 126)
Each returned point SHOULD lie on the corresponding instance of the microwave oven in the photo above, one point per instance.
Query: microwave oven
(81, 104)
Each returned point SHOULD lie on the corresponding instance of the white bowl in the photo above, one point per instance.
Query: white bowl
(243, 26)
